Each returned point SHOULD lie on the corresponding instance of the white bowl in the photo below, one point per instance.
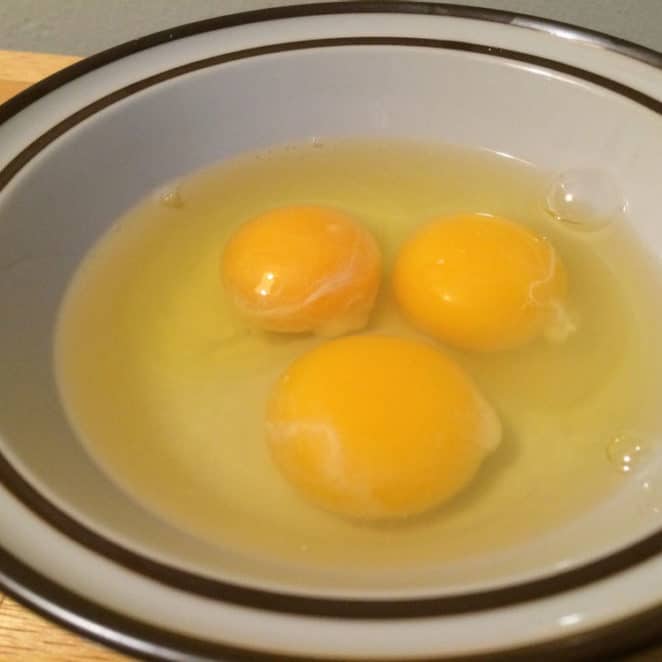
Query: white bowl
(81, 147)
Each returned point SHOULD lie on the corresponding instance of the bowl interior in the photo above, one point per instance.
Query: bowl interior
(68, 194)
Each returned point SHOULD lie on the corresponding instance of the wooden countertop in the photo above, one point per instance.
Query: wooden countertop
(18, 70)
(25, 637)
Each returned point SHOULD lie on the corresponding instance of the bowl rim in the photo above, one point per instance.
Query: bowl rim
(63, 606)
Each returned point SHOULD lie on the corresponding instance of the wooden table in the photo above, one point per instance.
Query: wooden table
(18, 70)
(25, 637)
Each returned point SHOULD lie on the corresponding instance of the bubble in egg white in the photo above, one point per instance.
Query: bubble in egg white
(585, 199)
(626, 452)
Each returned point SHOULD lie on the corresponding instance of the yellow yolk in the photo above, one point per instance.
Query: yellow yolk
(376, 427)
(481, 283)
(303, 268)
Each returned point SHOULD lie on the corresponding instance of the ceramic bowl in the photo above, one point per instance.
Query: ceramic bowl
(81, 147)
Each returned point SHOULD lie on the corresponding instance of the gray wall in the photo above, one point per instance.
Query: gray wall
(82, 27)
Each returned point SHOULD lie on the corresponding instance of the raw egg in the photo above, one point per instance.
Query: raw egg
(301, 269)
(376, 427)
(482, 283)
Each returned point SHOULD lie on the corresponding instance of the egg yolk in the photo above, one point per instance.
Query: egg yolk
(303, 268)
(482, 283)
(376, 427)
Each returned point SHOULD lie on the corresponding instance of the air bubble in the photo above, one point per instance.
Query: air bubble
(626, 451)
(585, 199)
(171, 197)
